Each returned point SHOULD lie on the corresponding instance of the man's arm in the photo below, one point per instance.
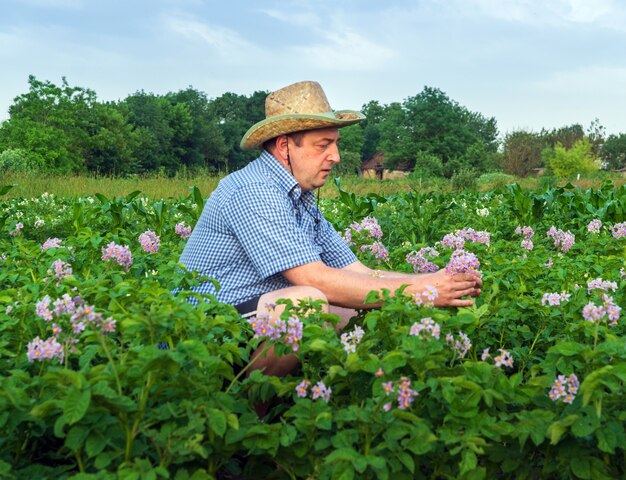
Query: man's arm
(348, 286)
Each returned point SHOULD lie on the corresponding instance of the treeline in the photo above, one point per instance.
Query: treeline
(65, 129)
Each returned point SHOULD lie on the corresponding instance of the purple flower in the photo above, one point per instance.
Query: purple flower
(379, 373)
(553, 299)
(121, 254)
(462, 262)
(42, 309)
(302, 388)
(594, 226)
(562, 240)
(406, 395)
(61, 269)
(294, 333)
(564, 388)
(182, 230)
(504, 359)
(45, 350)
(64, 305)
(352, 339)
(527, 244)
(526, 232)
(599, 284)
(618, 230)
(593, 312)
(457, 239)
(52, 243)
(377, 249)
(426, 325)
(420, 262)
(460, 346)
(321, 391)
(18, 230)
(485, 355)
(431, 293)
(388, 388)
(150, 242)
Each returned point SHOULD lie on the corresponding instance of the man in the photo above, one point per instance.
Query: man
(263, 238)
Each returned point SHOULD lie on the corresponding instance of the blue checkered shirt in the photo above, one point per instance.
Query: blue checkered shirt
(256, 224)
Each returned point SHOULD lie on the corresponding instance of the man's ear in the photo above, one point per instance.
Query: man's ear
(281, 150)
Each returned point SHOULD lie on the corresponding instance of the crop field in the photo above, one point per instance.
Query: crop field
(106, 373)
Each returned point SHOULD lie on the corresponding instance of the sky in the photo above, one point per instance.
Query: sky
(531, 64)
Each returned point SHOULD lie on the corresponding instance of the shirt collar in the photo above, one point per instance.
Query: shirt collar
(283, 178)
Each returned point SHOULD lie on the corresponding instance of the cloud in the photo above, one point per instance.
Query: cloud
(551, 12)
(335, 44)
(56, 3)
(227, 43)
(597, 80)
(346, 51)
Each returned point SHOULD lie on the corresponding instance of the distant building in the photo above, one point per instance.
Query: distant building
(374, 168)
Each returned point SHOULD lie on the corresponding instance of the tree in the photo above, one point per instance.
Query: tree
(566, 136)
(351, 144)
(433, 123)
(235, 115)
(204, 146)
(579, 159)
(111, 142)
(522, 152)
(613, 152)
(52, 123)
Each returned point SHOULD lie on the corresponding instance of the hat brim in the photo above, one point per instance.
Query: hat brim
(295, 122)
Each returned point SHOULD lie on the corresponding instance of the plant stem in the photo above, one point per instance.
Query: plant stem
(244, 369)
(108, 354)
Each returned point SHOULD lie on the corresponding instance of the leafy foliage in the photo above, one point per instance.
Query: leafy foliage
(579, 159)
(165, 393)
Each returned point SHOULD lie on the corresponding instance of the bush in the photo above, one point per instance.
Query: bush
(427, 166)
(495, 179)
(577, 160)
(465, 179)
(18, 160)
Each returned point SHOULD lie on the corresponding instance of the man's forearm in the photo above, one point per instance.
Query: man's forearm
(349, 287)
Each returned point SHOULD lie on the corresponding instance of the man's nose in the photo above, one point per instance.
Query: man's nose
(334, 155)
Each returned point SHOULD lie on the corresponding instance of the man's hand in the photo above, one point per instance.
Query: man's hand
(452, 287)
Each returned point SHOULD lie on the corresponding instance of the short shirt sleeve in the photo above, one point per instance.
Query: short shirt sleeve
(335, 251)
(264, 222)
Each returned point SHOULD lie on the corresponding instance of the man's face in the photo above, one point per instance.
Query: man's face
(316, 156)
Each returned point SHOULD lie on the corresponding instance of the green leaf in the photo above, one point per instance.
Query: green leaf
(6, 189)
(95, 444)
(287, 435)
(342, 471)
(324, 421)
(468, 461)
(394, 360)
(580, 466)
(567, 348)
(406, 460)
(217, 421)
(75, 404)
(76, 437)
(558, 428)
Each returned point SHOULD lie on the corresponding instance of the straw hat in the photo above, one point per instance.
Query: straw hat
(298, 107)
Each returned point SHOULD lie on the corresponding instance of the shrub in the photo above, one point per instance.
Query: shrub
(577, 160)
(19, 161)
(465, 179)
(495, 179)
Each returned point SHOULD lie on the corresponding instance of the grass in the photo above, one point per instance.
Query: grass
(155, 187)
